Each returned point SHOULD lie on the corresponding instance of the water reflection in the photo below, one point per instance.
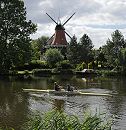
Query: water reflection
(58, 104)
(13, 106)
(16, 106)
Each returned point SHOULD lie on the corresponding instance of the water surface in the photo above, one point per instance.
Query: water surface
(16, 106)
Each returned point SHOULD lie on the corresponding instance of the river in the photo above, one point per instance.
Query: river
(16, 106)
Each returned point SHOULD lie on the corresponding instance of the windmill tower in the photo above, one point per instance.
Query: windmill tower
(58, 39)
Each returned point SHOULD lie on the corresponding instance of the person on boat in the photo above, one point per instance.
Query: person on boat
(70, 88)
(57, 87)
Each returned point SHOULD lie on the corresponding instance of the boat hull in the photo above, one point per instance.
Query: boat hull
(63, 92)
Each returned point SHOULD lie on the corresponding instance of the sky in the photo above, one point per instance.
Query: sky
(96, 18)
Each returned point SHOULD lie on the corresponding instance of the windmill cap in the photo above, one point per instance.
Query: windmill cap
(59, 27)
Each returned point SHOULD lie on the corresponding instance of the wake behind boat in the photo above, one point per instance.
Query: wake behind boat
(63, 92)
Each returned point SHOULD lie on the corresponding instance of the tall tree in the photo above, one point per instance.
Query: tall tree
(85, 49)
(121, 61)
(113, 47)
(15, 30)
(72, 51)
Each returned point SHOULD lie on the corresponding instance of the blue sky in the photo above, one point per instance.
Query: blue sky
(97, 18)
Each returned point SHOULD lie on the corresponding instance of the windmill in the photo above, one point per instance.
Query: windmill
(58, 39)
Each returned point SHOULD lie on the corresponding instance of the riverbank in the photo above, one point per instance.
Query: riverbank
(25, 74)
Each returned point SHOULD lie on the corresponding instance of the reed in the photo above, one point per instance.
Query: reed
(57, 120)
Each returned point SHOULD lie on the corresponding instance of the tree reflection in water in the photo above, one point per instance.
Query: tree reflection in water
(13, 106)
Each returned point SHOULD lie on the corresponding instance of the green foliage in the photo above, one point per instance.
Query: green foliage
(38, 64)
(15, 46)
(42, 72)
(90, 65)
(38, 47)
(109, 73)
(58, 120)
(42, 41)
(113, 48)
(85, 49)
(99, 57)
(66, 71)
(34, 64)
(121, 61)
(65, 64)
(81, 52)
(72, 51)
(93, 65)
(52, 56)
(6, 128)
(81, 66)
(35, 51)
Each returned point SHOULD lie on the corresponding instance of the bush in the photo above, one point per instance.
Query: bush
(93, 65)
(81, 66)
(42, 72)
(66, 71)
(35, 64)
(90, 65)
(109, 73)
(38, 64)
(53, 56)
(65, 64)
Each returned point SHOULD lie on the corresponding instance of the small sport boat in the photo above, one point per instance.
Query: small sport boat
(63, 92)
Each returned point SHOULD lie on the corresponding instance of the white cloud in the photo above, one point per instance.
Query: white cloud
(97, 18)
